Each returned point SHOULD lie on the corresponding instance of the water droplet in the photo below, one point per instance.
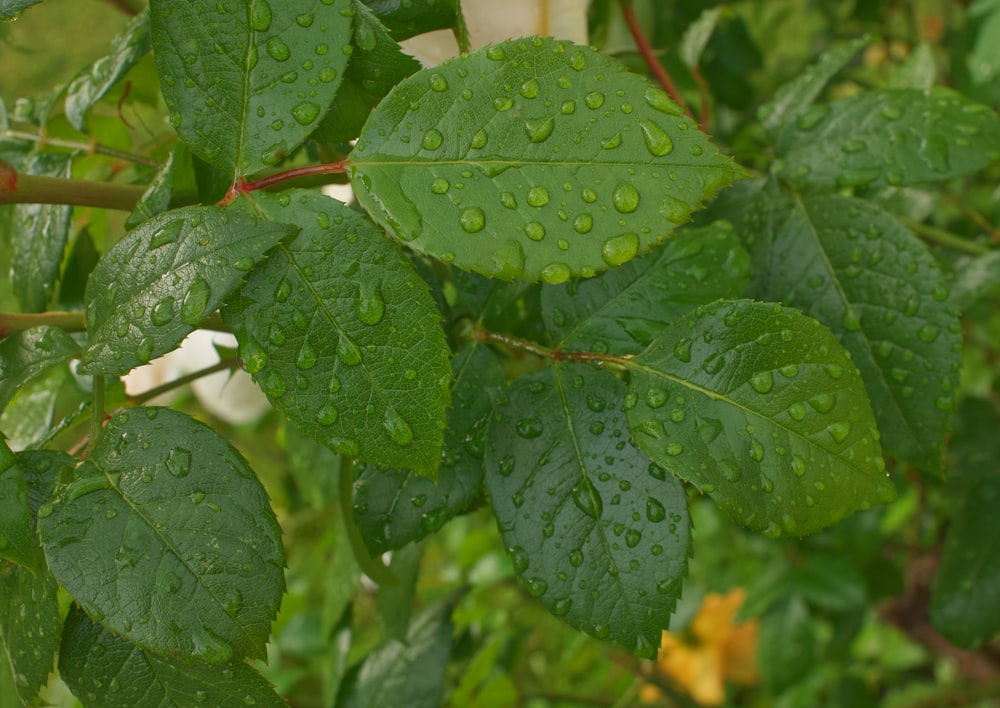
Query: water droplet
(620, 249)
(348, 351)
(144, 351)
(529, 89)
(179, 462)
(797, 411)
(583, 223)
(371, 306)
(432, 139)
(503, 103)
(613, 142)
(823, 402)
(674, 449)
(762, 382)
(850, 321)
(260, 16)
(812, 116)
(928, 333)
(438, 83)
(274, 385)
(658, 100)
(656, 397)
(594, 100)
(210, 647)
(168, 234)
(305, 112)
(654, 510)
(625, 198)
(632, 538)
(472, 219)
(561, 606)
(529, 428)
(538, 196)
(277, 49)
(657, 141)
(399, 430)
(495, 53)
(328, 414)
(440, 186)
(587, 499)
(162, 312)
(555, 273)
(243, 264)
(537, 586)
(852, 146)
(519, 559)
(756, 450)
(479, 140)
(839, 430)
(539, 129)
(534, 230)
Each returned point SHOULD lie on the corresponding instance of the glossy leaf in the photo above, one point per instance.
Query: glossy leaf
(18, 542)
(246, 82)
(40, 233)
(797, 96)
(342, 336)
(856, 269)
(103, 670)
(533, 159)
(91, 85)
(394, 507)
(761, 408)
(597, 532)
(963, 603)
(159, 282)
(623, 310)
(407, 18)
(29, 628)
(890, 137)
(165, 536)
(30, 353)
(156, 199)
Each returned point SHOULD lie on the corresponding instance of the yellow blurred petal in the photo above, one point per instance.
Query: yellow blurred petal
(714, 621)
(740, 655)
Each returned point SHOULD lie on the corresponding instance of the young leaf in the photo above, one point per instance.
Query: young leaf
(623, 310)
(247, 82)
(18, 542)
(395, 507)
(533, 159)
(597, 532)
(697, 34)
(29, 628)
(166, 537)
(104, 669)
(163, 278)
(28, 354)
(40, 233)
(760, 407)
(93, 83)
(342, 336)
(890, 137)
(963, 603)
(852, 266)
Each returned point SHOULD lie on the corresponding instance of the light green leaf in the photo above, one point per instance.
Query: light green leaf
(28, 354)
(697, 34)
(761, 408)
(29, 628)
(93, 83)
(166, 537)
(967, 583)
(395, 507)
(975, 279)
(891, 137)
(624, 309)
(919, 71)
(342, 335)
(599, 533)
(104, 670)
(163, 278)
(40, 233)
(18, 542)
(795, 98)
(533, 159)
(246, 81)
(852, 266)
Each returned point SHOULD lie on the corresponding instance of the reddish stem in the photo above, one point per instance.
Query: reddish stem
(650, 58)
(706, 104)
(241, 186)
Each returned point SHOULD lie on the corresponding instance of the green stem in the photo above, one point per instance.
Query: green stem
(597, 358)
(97, 418)
(946, 238)
(68, 321)
(372, 567)
(91, 148)
(152, 393)
(37, 189)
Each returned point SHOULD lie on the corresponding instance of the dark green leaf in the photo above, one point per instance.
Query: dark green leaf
(247, 82)
(697, 34)
(786, 639)
(105, 670)
(30, 353)
(829, 582)
(93, 83)
(156, 198)
(40, 235)
(29, 628)
(409, 673)
(41, 469)
(166, 537)
(533, 159)
(967, 583)
(760, 407)
(163, 278)
(890, 137)
(856, 269)
(407, 18)
(18, 542)
(599, 533)
(794, 98)
(343, 337)
(623, 310)
(10, 9)
(395, 507)
(80, 262)
(395, 601)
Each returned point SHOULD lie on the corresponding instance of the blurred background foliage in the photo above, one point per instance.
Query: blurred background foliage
(841, 618)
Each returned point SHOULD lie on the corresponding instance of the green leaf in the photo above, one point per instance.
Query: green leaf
(342, 336)
(28, 354)
(918, 71)
(761, 408)
(967, 583)
(395, 601)
(18, 542)
(852, 266)
(410, 672)
(11, 9)
(29, 628)
(599, 533)
(892, 137)
(40, 235)
(166, 537)
(93, 83)
(395, 507)
(697, 34)
(797, 96)
(377, 64)
(103, 670)
(407, 18)
(246, 82)
(533, 159)
(163, 278)
(156, 199)
(623, 310)
(976, 279)
(786, 638)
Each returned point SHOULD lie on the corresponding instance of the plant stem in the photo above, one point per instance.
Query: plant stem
(372, 567)
(36, 189)
(945, 238)
(68, 321)
(524, 345)
(152, 393)
(91, 148)
(97, 419)
(242, 187)
(649, 56)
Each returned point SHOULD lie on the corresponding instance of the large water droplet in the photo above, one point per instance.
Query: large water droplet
(529, 89)
(371, 306)
(625, 198)
(654, 510)
(519, 559)
(620, 249)
(562, 606)
(260, 16)
(438, 83)
(278, 49)
(658, 100)
(168, 234)
(529, 428)
(179, 462)
(538, 196)
(594, 100)
(839, 430)
(305, 112)
(328, 414)
(657, 141)
(162, 312)
(762, 382)
(399, 430)
(254, 356)
(348, 351)
(538, 129)
(555, 273)
(432, 139)
(587, 499)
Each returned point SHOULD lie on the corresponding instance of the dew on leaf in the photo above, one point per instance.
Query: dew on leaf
(519, 559)
(529, 89)
(555, 273)
(657, 141)
(274, 384)
(929, 332)
(594, 100)
(839, 430)
(583, 223)
(168, 234)
(472, 219)
(305, 112)
(432, 139)
(539, 129)
(674, 449)
(440, 186)
(479, 140)
(656, 397)
(568, 108)
(823, 402)
(538, 196)
(613, 142)
(179, 462)
(587, 499)
(529, 428)
(654, 510)
(371, 306)
(503, 103)
(260, 16)
(398, 429)
(438, 83)
(348, 351)
(328, 414)
(620, 249)
(162, 312)
(144, 351)
(537, 586)
(762, 382)
(658, 100)
(534, 230)
(632, 538)
(625, 198)
(277, 49)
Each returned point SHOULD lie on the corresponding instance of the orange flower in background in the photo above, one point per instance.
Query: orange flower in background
(713, 652)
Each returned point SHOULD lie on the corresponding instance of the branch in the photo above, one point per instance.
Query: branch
(90, 148)
(140, 398)
(36, 189)
(68, 321)
(945, 238)
(241, 186)
(650, 57)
